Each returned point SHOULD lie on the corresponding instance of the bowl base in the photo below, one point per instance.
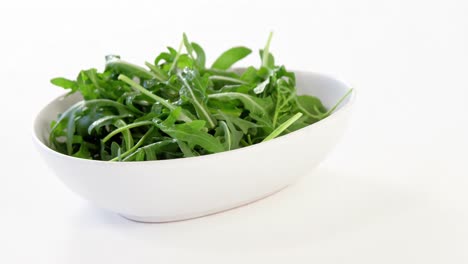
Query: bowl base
(160, 220)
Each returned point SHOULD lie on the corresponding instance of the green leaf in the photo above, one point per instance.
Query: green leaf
(201, 57)
(227, 135)
(115, 149)
(243, 124)
(190, 133)
(152, 150)
(64, 83)
(167, 57)
(127, 135)
(185, 149)
(188, 45)
(85, 86)
(159, 73)
(231, 136)
(158, 99)
(270, 61)
(103, 121)
(233, 108)
(196, 95)
(123, 128)
(231, 56)
(267, 58)
(310, 106)
(140, 156)
(122, 67)
(238, 88)
(172, 117)
(255, 105)
(250, 75)
(136, 146)
(185, 61)
(83, 152)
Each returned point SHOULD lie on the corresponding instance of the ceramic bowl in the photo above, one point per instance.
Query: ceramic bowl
(178, 189)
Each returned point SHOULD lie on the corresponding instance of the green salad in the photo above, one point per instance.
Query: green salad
(177, 106)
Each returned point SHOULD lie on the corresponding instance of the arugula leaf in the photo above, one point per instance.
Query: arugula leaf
(118, 66)
(310, 106)
(231, 135)
(185, 149)
(231, 56)
(267, 63)
(250, 75)
(83, 152)
(253, 104)
(201, 57)
(167, 57)
(64, 83)
(242, 124)
(193, 135)
(195, 94)
(267, 58)
(151, 95)
(159, 74)
(188, 46)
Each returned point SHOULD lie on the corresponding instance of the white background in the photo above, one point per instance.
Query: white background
(395, 190)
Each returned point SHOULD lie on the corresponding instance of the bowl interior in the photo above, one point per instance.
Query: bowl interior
(327, 88)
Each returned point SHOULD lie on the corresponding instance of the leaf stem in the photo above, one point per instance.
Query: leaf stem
(275, 115)
(225, 78)
(236, 95)
(124, 128)
(135, 147)
(159, 74)
(307, 113)
(283, 127)
(337, 103)
(203, 111)
(188, 46)
(227, 134)
(158, 99)
(266, 51)
(174, 63)
(126, 134)
(135, 69)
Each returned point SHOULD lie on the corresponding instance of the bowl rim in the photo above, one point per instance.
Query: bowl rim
(344, 107)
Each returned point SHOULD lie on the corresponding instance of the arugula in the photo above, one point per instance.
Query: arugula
(178, 107)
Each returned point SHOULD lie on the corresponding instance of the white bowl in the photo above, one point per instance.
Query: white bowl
(169, 190)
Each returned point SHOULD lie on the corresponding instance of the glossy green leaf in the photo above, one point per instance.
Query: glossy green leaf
(190, 133)
(231, 56)
(253, 104)
(64, 83)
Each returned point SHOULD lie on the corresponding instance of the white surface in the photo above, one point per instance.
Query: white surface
(394, 191)
(180, 189)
